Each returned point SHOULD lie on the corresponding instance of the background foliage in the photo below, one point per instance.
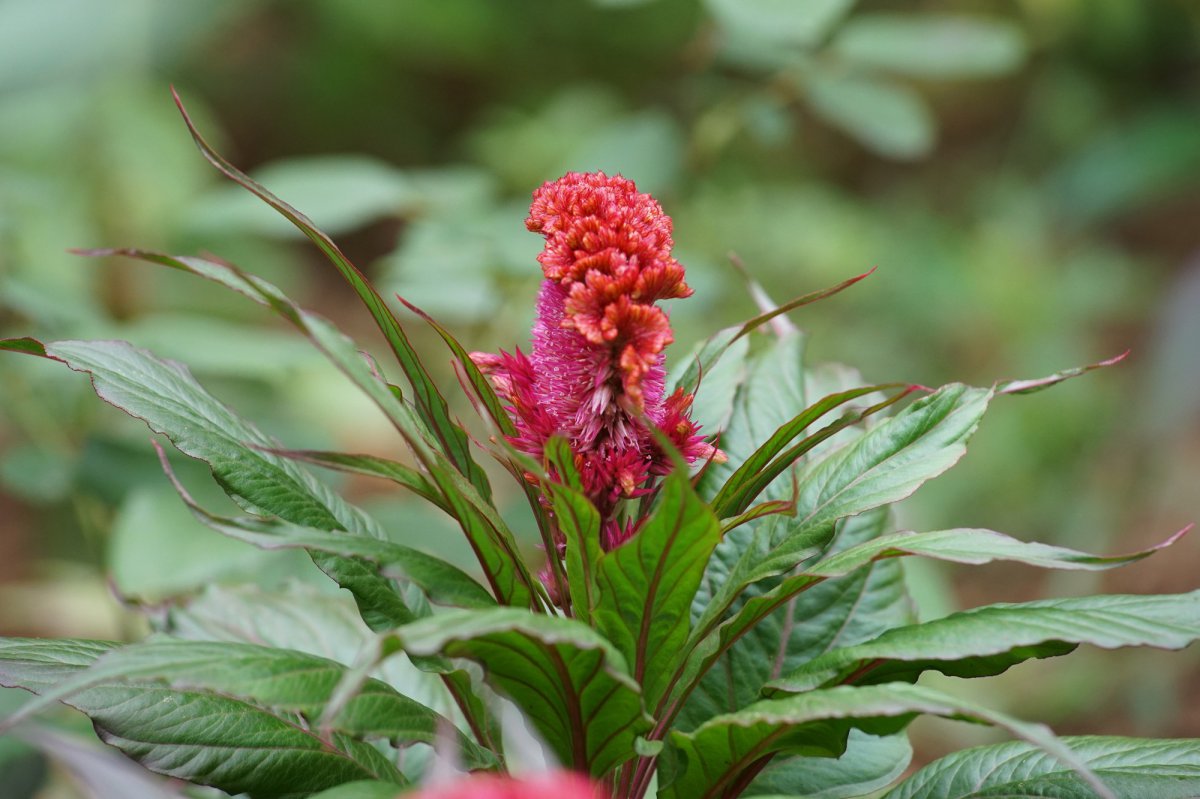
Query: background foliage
(1025, 174)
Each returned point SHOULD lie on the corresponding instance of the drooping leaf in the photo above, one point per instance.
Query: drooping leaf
(988, 640)
(168, 399)
(486, 531)
(571, 683)
(729, 750)
(442, 582)
(646, 585)
(1132, 768)
(431, 406)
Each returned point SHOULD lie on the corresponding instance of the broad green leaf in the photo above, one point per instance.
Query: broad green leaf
(988, 640)
(571, 683)
(869, 763)
(831, 613)
(889, 119)
(168, 399)
(431, 406)
(491, 540)
(780, 20)
(231, 716)
(286, 682)
(882, 466)
(38, 664)
(932, 45)
(729, 748)
(1132, 768)
(647, 584)
(962, 546)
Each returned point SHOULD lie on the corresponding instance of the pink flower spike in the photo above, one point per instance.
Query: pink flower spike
(595, 372)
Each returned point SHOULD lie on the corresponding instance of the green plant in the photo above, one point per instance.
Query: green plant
(716, 618)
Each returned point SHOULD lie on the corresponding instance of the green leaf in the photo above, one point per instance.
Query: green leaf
(710, 352)
(361, 789)
(442, 582)
(490, 538)
(343, 192)
(869, 764)
(963, 546)
(932, 45)
(729, 750)
(572, 684)
(236, 716)
(372, 466)
(168, 399)
(779, 20)
(889, 119)
(835, 612)
(646, 585)
(431, 406)
(1133, 768)
(579, 522)
(988, 640)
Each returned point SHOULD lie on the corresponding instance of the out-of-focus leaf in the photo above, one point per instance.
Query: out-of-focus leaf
(931, 45)
(869, 763)
(722, 750)
(340, 193)
(98, 770)
(153, 527)
(361, 789)
(802, 24)
(889, 119)
(1132, 768)
(568, 679)
(988, 640)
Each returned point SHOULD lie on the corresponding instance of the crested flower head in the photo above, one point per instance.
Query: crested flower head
(595, 374)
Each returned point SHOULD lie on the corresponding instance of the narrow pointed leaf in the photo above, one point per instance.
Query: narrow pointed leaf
(1038, 384)
(371, 466)
(716, 345)
(430, 404)
(571, 683)
(988, 640)
(780, 439)
(646, 585)
(1132, 768)
(716, 755)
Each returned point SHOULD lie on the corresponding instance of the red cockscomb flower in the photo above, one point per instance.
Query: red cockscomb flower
(596, 368)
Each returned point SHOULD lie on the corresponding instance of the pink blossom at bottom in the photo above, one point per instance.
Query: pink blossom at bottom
(551, 785)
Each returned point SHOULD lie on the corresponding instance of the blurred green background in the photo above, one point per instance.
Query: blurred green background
(1026, 176)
